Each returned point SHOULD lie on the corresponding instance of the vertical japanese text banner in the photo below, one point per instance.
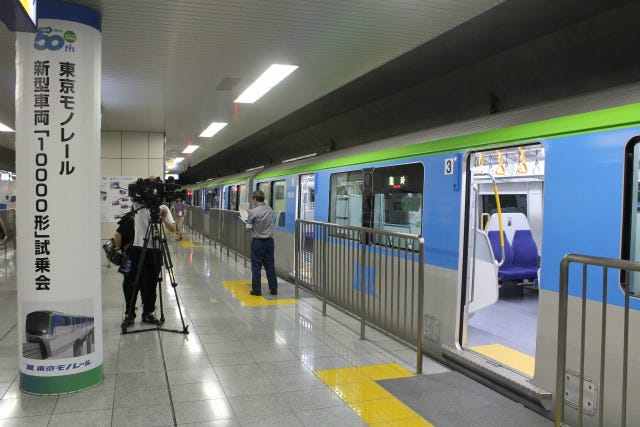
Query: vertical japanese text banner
(58, 159)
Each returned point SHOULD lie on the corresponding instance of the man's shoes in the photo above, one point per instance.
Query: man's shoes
(128, 321)
(256, 293)
(150, 318)
(274, 292)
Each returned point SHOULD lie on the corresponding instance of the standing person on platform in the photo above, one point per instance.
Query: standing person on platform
(123, 240)
(179, 211)
(262, 247)
(149, 276)
(3, 231)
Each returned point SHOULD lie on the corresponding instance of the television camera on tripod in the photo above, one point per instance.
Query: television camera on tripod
(150, 251)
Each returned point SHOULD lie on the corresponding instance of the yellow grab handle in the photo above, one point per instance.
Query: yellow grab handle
(500, 169)
(522, 164)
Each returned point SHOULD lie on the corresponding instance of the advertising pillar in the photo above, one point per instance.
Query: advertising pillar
(58, 221)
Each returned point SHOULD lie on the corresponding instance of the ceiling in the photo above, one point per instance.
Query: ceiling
(163, 60)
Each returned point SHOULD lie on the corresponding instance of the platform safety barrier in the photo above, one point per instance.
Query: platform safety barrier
(9, 219)
(603, 342)
(373, 275)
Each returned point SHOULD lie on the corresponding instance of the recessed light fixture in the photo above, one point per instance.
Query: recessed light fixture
(263, 84)
(213, 128)
(306, 156)
(178, 159)
(5, 128)
(254, 169)
(190, 149)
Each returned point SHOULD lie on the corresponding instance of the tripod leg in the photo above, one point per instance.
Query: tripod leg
(140, 258)
(166, 257)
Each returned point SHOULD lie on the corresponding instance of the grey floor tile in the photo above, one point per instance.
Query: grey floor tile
(139, 396)
(258, 405)
(186, 376)
(26, 405)
(100, 418)
(217, 423)
(197, 391)
(282, 420)
(341, 416)
(247, 387)
(304, 400)
(225, 359)
(304, 381)
(38, 421)
(84, 401)
(156, 415)
(239, 372)
(203, 411)
(135, 380)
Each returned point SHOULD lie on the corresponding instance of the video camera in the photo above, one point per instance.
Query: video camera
(152, 193)
(116, 257)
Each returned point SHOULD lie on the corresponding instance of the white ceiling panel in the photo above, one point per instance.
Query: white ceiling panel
(163, 59)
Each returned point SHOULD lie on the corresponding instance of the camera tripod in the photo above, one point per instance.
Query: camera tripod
(156, 235)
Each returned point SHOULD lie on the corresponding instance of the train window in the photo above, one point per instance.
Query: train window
(211, 198)
(242, 196)
(265, 187)
(631, 214)
(397, 198)
(345, 199)
(279, 202)
(307, 197)
(233, 198)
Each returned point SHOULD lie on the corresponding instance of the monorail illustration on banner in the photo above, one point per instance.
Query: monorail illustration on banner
(54, 335)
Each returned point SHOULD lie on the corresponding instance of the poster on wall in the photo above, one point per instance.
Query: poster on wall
(114, 199)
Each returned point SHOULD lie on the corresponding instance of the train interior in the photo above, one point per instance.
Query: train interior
(504, 197)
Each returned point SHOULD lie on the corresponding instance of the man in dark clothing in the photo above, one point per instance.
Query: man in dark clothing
(262, 247)
(123, 240)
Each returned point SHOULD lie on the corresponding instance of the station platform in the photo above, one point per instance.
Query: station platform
(247, 361)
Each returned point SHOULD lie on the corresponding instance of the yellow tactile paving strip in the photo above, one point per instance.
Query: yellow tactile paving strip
(192, 244)
(357, 387)
(509, 357)
(240, 291)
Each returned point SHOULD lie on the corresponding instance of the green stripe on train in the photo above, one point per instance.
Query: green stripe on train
(612, 118)
(61, 384)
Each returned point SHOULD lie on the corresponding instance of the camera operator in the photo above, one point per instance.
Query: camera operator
(153, 258)
(123, 240)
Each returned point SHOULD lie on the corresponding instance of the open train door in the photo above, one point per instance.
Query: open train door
(502, 249)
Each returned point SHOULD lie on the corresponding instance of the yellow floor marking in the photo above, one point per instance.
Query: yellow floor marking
(509, 357)
(240, 291)
(357, 387)
(190, 244)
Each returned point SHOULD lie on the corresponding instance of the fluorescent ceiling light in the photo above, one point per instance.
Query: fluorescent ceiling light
(178, 159)
(254, 169)
(190, 149)
(306, 156)
(263, 84)
(4, 128)
(213, 128)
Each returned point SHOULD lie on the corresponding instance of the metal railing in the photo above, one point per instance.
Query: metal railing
(373, 275)
(227, 229)
(562, 376)
(9, 219)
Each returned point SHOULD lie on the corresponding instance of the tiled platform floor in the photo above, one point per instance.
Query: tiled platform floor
(239, 365)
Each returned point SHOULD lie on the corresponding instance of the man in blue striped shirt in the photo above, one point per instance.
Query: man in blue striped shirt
(262, 247)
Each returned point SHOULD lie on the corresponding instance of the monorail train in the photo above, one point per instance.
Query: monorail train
(499, 202)
(57, 335)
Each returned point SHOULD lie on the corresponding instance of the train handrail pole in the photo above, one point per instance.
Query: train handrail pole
(563, 310)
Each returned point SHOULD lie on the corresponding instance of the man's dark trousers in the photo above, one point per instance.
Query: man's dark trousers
(262, 254)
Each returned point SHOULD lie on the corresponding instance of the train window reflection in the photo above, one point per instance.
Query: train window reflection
(345, 204)
(631, 221)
